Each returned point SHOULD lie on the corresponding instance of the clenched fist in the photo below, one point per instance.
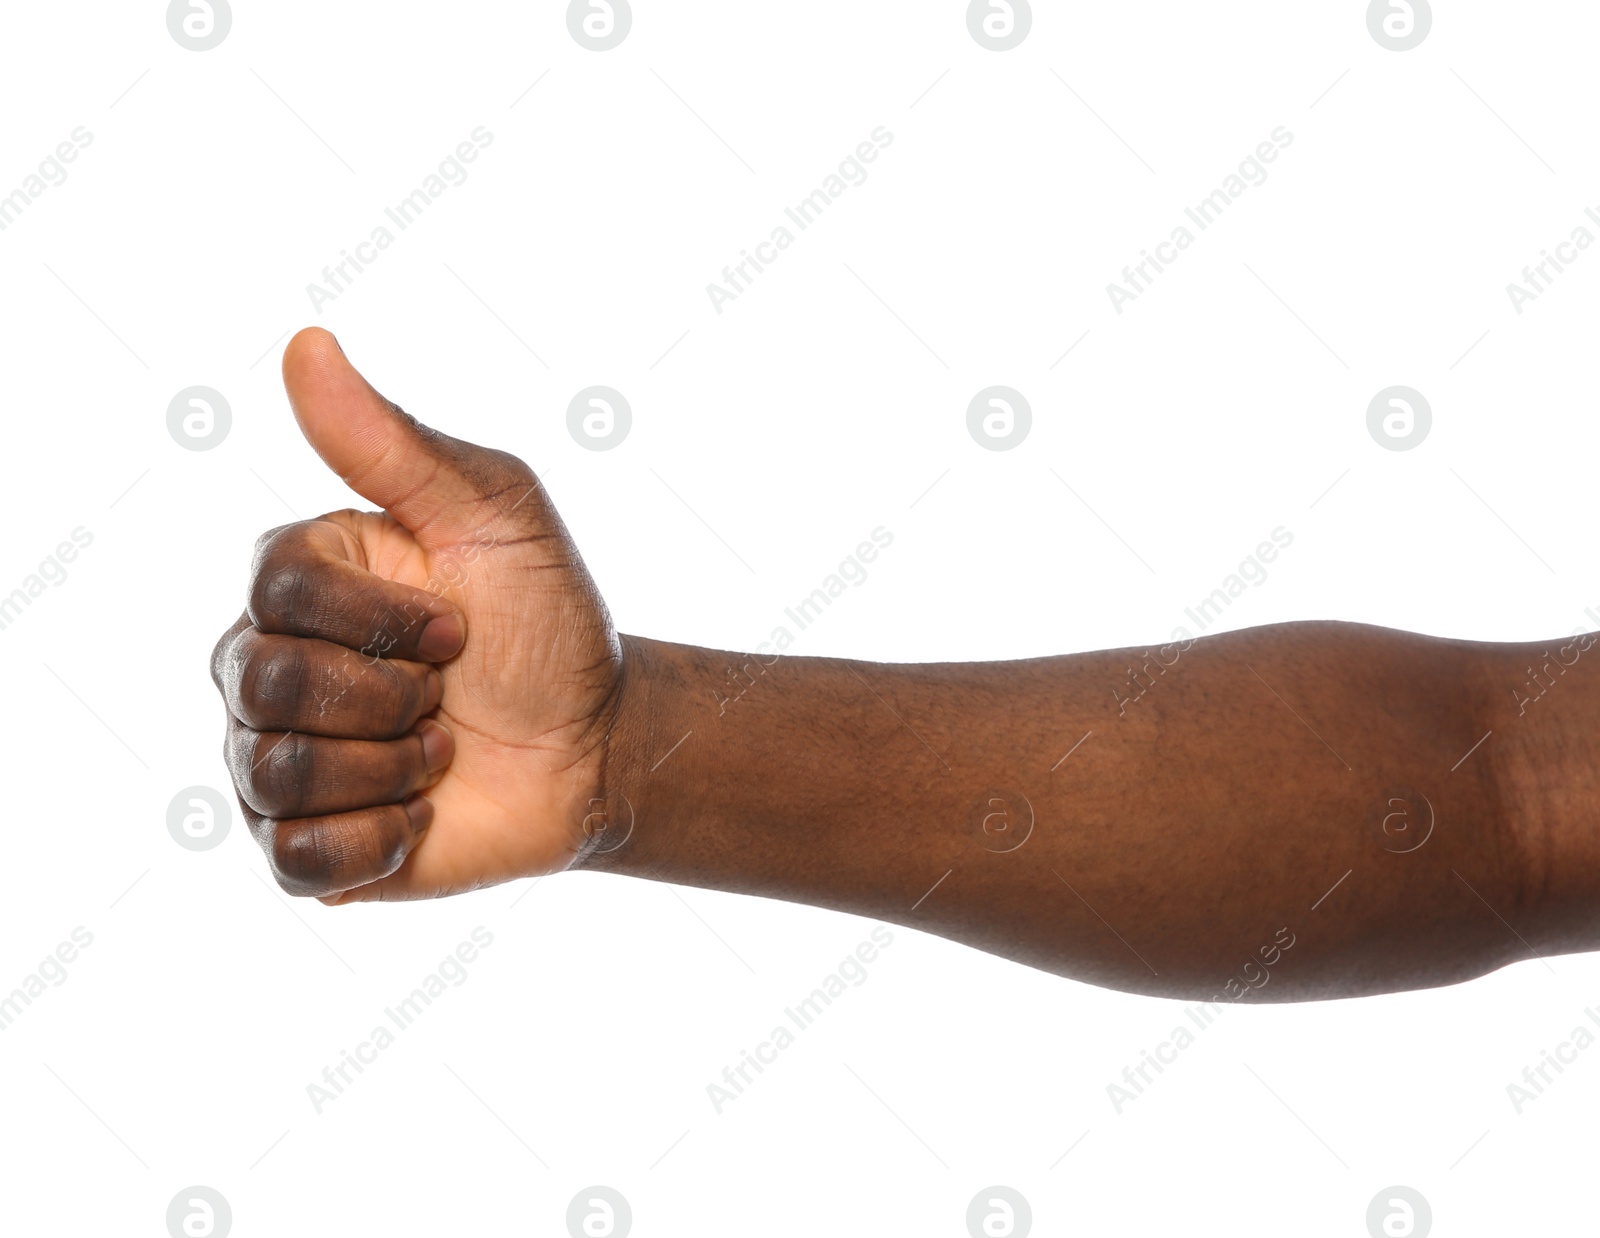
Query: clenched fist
(419, 699)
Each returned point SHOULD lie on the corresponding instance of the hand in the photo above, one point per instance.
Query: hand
(419, 699)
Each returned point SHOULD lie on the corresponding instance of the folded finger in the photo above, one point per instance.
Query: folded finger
(291, 774)
(291, 683)
(305, 581)
(324, 856)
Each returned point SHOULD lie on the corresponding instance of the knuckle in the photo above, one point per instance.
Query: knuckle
(219, 656)
(281, 540)
(272, 679)
(226, 651)
(266, 541)
(230, 758)
(282, 596)
(505, 468)
(326, 855)
(499, 478)
(280, 777)
(299, 861)
(507, 479)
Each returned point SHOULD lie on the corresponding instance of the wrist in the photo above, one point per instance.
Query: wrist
(620, 823)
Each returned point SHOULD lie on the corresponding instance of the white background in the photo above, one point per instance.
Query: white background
(823, 402)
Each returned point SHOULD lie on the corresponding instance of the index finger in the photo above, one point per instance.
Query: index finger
(304, 583)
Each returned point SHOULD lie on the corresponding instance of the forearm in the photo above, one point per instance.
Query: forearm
(1195, 826)
(1406, 811)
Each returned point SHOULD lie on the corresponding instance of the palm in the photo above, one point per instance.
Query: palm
(525, 699)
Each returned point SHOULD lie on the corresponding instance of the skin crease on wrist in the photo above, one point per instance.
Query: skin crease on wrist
(433, 698)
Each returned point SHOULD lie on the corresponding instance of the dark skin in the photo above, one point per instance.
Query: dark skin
(434, 699)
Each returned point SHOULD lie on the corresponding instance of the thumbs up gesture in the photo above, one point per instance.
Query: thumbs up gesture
(420, 699)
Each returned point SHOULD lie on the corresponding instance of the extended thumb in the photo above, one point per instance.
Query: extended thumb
(429, 482)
